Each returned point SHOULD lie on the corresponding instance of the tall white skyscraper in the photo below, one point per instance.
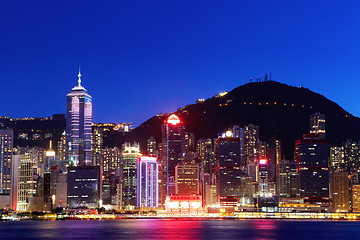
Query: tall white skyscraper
(78, 126)
(147, 187)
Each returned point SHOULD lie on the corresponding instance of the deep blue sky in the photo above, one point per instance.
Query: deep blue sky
(139, 58)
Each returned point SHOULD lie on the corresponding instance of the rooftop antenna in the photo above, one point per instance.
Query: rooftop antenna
(270, 77)
(79, 80)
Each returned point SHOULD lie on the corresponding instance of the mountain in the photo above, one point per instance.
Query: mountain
(36, 131)
(281, 112)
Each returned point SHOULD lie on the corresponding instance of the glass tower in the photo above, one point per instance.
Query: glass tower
(78, 126)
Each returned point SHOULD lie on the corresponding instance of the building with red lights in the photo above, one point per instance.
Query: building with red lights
(263, 176)
(184, 205)
(173, 148)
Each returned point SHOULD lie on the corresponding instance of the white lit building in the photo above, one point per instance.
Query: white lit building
(147, 187)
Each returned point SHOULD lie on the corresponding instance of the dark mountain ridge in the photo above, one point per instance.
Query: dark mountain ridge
(281, 112)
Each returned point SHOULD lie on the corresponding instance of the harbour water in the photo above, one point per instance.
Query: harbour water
(180, 229)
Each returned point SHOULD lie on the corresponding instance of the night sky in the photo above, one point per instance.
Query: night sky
(139, 58)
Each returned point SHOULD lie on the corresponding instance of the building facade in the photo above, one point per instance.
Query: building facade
(187, 179)
(84, 187)
(340, 191)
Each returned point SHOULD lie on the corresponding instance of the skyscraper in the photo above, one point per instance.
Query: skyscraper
(228, 169)
(6, 149)
(251, 147)
(78, 125)
(337, 158)
(29, 172)
(340, 191)
(173, 148)
(147, 187)
(263, 177)
(130, 157)
(311, 157)
(283, 178)
(251, 143)
(96, 143)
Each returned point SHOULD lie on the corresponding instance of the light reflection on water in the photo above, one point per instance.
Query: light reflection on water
(180, 229)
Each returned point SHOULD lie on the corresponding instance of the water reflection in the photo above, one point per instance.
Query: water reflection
(168, 229)
(179, 229)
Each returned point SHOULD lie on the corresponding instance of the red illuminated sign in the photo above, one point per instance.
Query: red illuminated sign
(173, 119)
(263, 161)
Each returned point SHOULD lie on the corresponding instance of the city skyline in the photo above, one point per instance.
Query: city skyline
(152, 49)
(179, 119)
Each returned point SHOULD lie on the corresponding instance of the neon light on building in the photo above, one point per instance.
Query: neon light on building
(184, 204)
(173, 119)
(263, 161)
(147, 189)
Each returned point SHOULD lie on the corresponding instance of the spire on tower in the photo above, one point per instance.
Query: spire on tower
(79, 80)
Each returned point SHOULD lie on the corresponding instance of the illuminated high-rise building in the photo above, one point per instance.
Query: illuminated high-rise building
(283, 176)
(228, 169)
(238, 132)
(110, 161)
(29, 171)
(50, 157)
(311, 157)
(187, 179)
(206, 155)
(78, 125)
(317, 124)
(337, 158)
(251, 149)
(14, 181)
(351, 156)
(111, 158)
(151, 147)
(130, 157)
(263, 176)
(96, 143)
(251, 143)
(61, 151)
(355, 197)
(274, 156)
(340, 191)
(6, 152)
(147, 187)
(173, 149)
